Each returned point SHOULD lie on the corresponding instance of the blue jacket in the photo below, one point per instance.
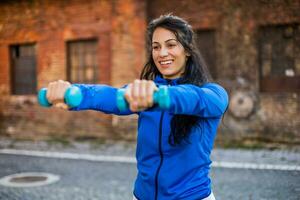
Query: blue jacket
(165, 171)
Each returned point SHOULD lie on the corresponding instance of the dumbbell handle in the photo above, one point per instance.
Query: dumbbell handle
(72, 98)
(160, 97)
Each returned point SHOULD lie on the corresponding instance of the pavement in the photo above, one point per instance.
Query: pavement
(127, 149)
(93, 170)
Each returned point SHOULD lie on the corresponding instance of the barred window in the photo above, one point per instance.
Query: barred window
(279, 58)
(23, 69)
(82, 61)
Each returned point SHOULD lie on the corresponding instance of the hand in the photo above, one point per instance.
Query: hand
(139, 94)
(56, 92)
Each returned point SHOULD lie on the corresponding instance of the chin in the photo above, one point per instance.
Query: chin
(168, 76)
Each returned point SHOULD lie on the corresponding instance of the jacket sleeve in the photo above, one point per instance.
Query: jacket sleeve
(99, 97)
(209, 100)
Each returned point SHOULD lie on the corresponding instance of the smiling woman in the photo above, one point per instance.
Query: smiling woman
(174, 142)
(168, 54)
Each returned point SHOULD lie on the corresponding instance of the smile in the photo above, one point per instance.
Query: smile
(166, 62)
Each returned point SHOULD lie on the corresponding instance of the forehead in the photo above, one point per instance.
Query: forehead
(161, 35)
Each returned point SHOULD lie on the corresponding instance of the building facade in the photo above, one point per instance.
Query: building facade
(252, 48)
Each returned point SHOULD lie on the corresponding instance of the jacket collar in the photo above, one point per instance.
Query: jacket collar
(160, 80)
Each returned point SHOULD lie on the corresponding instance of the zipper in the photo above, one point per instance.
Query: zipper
(169, 82)
(161, 155)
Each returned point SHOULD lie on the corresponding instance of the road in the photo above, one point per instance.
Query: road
(86, 176)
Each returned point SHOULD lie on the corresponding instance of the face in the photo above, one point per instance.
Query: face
(168, 54)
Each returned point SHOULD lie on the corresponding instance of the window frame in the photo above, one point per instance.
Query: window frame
(212, 68)
(271, 82)
(69, 62)
(13, 86)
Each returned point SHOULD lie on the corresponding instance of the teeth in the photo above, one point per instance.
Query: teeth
(166, 62)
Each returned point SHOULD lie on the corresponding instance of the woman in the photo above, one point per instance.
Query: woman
(174, 145)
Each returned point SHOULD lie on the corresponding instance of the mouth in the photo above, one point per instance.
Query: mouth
(165, 62)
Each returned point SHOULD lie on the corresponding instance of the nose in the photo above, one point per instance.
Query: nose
(163, 52)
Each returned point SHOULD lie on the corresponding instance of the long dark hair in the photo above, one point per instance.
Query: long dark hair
(195, 71)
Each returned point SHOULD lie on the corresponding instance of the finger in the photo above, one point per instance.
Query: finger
(54, 92)
(143, 94)
(56, 103)
(128, 96)
(135, 89)
(49, 94)
(60, 89)
(154, 86)
(61, 105)
(134, 106)
(135, 94)
(128, 93)
(151, 88)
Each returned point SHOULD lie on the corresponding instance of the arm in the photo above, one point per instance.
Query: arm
(209, 100)
(99, 97)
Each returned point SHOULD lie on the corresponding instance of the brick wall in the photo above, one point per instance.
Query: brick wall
(273, 117)
(119, 27)
(50, 25)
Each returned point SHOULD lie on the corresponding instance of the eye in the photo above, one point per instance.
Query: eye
(155, 47)
(171, 45)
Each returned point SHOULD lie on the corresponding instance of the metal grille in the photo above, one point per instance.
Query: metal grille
(23, 70)
(207, 45)
(279, 58)
(82, 61)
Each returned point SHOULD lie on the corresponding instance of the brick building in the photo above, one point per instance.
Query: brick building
(251, 47)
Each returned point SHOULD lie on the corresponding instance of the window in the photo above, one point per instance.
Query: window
(207, 45)
(82, 61)
(279, 58)
(23, 69)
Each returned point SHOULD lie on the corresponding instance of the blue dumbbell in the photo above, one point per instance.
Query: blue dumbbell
(160, 97)
(73, 97)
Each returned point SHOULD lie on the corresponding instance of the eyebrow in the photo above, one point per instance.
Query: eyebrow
(165, 41)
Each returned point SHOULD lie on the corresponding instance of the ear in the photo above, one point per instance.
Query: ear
(187, 54)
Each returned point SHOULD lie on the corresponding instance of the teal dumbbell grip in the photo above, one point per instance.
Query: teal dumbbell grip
(160, 97)
(73, 97)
